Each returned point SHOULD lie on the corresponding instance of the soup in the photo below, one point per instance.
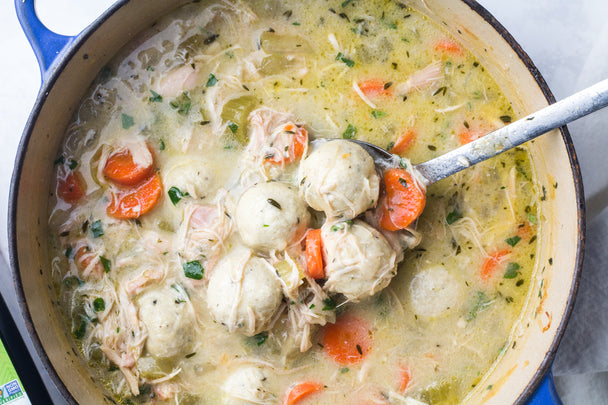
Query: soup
(208, 247)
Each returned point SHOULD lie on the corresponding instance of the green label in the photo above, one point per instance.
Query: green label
(11, 390)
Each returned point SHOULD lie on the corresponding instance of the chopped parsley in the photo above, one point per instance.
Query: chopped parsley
(378, 114)
(127, 121)
(162, 145)
(403, 182)
(156, 98)
(512, 270)
(211, 81)
(106, 263)
(73, 164)
(453, 217)
(175, 195)
(182, 104)
(260, 338)
(345, 60)
(99, 305)
(193, 270)
(513, 240)
(505, 118)
(81, 330)
(350, 132)
(274, 203)
(97, 229)
(233, 127)
(330, 304)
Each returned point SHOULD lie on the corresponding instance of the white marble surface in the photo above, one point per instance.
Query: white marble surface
(568, 40)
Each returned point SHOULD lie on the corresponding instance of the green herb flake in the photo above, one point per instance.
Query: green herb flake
(81, 330)
(403, 182)
(344, 370)
(378, 114)
(127, 121)
(482, 302)
(402, 163)
(295, 23)
(189, 355)
(182, 104)
(350, 132)
(156, 98)
(99, 305)
(453, 217)
(441, 90)
(359, 350)
(69, 252)
(512, 241)
(97, 229)
(59, 161)
(175, 195)
(274, 203)
(532, 218)
(260, 338)
(346, 3)
(512, 270)
(73, 164)
(505, 118)
(345, 60)
(233, 127)
(193, 270)
(330, 304)
(211, 81)
(107, 264)
(162, 145)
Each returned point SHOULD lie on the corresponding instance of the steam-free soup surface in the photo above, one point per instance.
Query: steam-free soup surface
(183, 216)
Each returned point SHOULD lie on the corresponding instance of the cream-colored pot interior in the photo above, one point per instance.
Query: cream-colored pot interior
(559, 257)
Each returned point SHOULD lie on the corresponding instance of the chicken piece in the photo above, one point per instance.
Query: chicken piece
(244, 293)
(359, 260)
(274, 137)
(247, 385)
(428, 77)
(339, 178)
(167, 315)
(434, 292)
(178, 80)
(270, 216)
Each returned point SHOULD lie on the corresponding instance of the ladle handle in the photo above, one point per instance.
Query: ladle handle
(554, 116)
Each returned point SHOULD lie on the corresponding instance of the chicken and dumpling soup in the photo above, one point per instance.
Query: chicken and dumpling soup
(208, 247)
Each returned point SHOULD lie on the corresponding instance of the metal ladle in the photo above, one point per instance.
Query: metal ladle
(525, 129)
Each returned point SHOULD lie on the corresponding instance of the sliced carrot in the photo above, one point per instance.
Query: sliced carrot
(301, 391)
(71, 187)
(525, 231)
(373, 88)
(492, 263)
(135, 202)
(348, 340)
(403, 142)
(314, 254)
(121, 169)
(405, 378)
(469, 135)
(83, 259)
(404, 200)
(448, 46)
(295, 149)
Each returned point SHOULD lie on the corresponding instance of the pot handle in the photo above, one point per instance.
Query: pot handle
(46, 44)
(546, 394)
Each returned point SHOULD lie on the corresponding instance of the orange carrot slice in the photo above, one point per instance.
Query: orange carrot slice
(448, 46)
(373, 88)
(491, 263)
(301, 391)
(314, 254)
(83, 259)
(404, 200)
(121, 169)
(403, 142)
(135, 202)
(71, 187)
(405, 378)
(348, 340)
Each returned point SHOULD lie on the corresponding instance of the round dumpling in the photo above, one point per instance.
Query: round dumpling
(269, 216)
(434, 291)
(359, 260)
(339, 178)
(168, 318)
(191, 176)
(244, 293)
(247, 385)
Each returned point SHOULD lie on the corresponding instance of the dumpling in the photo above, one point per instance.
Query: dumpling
(434, 291)
(247, 385)
(244, 293)
(359, 260)
(339, 178)
(168, 317)
(191, 176)
(269, 216)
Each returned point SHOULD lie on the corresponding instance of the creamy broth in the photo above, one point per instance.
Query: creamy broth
(187, 99)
